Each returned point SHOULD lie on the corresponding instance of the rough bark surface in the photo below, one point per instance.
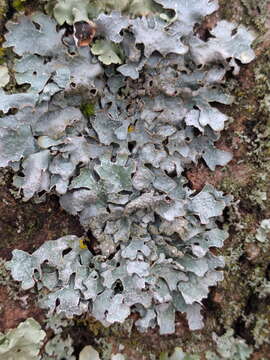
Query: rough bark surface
(237, 302)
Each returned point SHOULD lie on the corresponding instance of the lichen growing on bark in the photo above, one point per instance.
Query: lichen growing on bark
(246, 275)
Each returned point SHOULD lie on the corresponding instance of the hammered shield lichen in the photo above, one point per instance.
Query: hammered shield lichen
(121, 169)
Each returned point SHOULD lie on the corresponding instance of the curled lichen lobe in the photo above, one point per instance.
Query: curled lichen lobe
(84, 32)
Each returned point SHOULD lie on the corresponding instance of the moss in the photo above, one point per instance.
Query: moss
(88, 109)
(2, 52)
(2, 55)
(3, 8)
(18, 5)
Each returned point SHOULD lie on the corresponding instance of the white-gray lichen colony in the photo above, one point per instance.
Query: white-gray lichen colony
(154, 84)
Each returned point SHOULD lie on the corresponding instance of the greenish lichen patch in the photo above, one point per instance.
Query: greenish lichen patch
(23, 342)
(246, 280)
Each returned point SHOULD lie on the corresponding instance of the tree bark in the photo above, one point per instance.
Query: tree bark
(241, 302)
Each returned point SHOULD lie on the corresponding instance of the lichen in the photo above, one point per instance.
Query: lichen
(23, 342)
(13, 290)
(244, 218)
(257, 13)
(58, 148)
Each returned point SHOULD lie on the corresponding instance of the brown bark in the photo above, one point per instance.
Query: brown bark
(236, 302)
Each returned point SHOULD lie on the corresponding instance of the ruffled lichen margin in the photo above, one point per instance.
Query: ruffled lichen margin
(255, 170)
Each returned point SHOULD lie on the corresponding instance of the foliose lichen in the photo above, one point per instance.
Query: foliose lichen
(120, 166)
(23, 342)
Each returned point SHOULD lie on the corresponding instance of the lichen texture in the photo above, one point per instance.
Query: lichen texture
(116, 110)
